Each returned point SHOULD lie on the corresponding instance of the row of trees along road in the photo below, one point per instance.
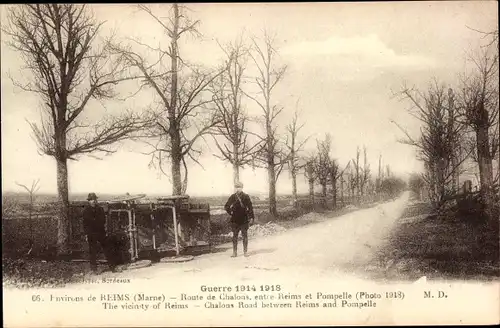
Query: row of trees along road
(355, 177)
(71, 67)
(459, 123)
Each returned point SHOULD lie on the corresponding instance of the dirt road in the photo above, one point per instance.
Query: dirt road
(337, 246)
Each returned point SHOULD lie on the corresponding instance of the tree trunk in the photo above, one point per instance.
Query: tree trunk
(63, 222)
(294, 187)
(431, 169)
(334, 191)
(176, 176)
(485, 170)
(454, 146)
(323, 188)
(358, 186)
(350, 187)
(456, 173)
(236, 172)
(441, 183)
(175, 138)
(236, 159)
(272, 190)
(176, 162)
(342, 189)
(311, 191)
(311, 183)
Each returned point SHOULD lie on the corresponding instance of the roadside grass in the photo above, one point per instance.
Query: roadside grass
(30, 273)
(453, 244)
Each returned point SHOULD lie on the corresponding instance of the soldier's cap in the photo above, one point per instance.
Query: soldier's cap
(238, 185)
(92, 196)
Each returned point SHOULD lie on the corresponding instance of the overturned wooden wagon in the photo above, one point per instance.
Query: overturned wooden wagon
(141, 229)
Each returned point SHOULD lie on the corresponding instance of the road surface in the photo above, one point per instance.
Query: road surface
(340, 246)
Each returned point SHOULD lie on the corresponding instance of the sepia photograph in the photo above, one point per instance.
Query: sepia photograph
(250, 164)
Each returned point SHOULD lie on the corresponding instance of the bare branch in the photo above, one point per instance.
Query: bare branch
(187, 112)
(59, 45)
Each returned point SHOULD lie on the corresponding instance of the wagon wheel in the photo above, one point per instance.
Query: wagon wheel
(138, 265)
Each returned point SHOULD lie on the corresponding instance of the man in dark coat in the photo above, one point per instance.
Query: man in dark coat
(239, 206)
(94, 221)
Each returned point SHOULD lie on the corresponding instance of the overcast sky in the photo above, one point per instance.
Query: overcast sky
(344, 61)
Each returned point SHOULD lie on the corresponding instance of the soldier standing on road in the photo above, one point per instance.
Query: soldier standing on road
(94, 221)
(239, 206)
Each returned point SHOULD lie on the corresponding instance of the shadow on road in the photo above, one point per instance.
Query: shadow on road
(250, 253)
(220, 249)
(261, 251)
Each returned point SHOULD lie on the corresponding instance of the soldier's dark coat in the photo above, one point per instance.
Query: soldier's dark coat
(94, 225)
(241, 213)
(94, 220)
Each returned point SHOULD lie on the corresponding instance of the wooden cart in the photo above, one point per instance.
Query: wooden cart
(167, 226)
(148, 229)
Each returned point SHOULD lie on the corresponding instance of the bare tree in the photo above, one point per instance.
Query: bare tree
(235, 147)
(455, 142)
(343, 180)
(492, 35)
(438, 142)
(379, 175)
(58, 44)
(310, 176)
(322, 165)
(479, 105)
(351, 182)
(32, 194)
(272, 154)
(185, 110)
(357, 174)
(335, 174)
(294, 146)
(365, 173)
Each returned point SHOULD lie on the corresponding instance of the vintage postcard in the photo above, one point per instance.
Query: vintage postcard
(250, 164)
